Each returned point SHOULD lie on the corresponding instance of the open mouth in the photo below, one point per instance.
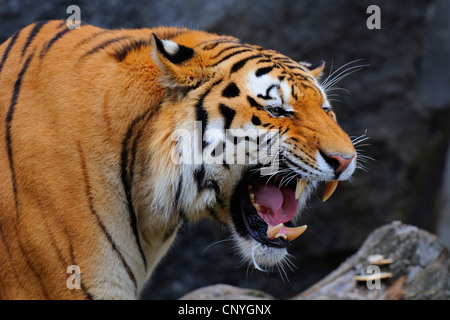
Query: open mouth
(263, 207)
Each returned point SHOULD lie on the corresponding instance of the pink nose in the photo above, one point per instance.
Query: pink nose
(342, 163)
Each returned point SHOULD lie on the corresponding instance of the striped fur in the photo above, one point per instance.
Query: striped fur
(86, 140)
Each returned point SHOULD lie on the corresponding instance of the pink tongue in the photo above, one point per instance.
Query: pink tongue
(277, 205)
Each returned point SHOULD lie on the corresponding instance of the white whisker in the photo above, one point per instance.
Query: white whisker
(214, 243)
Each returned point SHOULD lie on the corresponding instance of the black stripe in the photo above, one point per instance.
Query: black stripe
(102, 46)
(228, 114)
(262, 71)
(231, 91)
(182, 215)
(179, 189)
(92, 37)
(212, 184)
(127, 179)
(225, 50)
(296, 166)
(33, 33)
(256, 121)
(90, 197)
(214, 214)
(199, 174)
(9, 118)
(122, 53)
(202, 114)
(254, 104)
(211, 44)
(238, 65)
(127, 168)
(229, 56)
(52, 41)
(8, 48)
(267, 96)
(83, 288)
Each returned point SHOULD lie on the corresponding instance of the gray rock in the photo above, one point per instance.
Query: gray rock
(226, 292)
(420, 268)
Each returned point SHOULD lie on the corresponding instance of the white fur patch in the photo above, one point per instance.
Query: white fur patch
(268, 86)
(170, 46)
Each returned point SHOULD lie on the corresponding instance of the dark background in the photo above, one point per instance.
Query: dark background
(402, 101)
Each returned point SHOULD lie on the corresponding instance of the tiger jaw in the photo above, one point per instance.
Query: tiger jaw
(264, 211)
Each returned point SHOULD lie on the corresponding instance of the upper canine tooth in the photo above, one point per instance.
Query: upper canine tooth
(329, 189)
(299, 188)
(292, 233)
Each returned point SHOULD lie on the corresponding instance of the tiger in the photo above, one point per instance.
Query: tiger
(98, 127)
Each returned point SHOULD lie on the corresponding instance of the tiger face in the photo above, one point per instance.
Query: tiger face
(259, 137)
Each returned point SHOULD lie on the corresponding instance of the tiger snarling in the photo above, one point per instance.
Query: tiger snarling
(99, 142)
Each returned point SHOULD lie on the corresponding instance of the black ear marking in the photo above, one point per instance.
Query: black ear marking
(172, 51)
(316, 65)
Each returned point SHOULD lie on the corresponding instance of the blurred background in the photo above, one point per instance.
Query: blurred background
(401, 101)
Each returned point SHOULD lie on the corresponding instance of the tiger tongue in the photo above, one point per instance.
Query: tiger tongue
(276, 205)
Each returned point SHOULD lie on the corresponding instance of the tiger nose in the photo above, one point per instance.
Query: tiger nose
(336, 161)
(339, 163)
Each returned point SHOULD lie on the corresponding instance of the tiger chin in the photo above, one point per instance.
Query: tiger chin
(112, 138)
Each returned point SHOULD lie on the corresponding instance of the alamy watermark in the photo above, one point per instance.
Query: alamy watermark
(374, 20)
(74, 20)
(374, 280)
(235, 146)
(74, 280)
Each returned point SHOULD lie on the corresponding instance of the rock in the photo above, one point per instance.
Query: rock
(226, 292)
(420, 268)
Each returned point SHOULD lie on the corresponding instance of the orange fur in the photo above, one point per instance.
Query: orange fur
(87, 127)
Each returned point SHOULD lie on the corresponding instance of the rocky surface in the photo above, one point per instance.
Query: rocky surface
(226, 292)
(416, 263)
(401, 101)
(420, 268)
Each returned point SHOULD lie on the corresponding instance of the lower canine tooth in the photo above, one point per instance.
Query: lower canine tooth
(329, 189)
(273, 230)
(300, 186)
(293, 233)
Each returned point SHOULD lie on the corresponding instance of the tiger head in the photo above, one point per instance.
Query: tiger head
(254, 136)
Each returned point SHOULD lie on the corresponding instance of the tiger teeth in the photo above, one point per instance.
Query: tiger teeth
(273, 230)
(293, 233)
(299, 188)
(329, 189)
(252, 197)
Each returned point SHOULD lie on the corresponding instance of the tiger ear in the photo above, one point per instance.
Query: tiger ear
(180, 65)
(317, 69)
